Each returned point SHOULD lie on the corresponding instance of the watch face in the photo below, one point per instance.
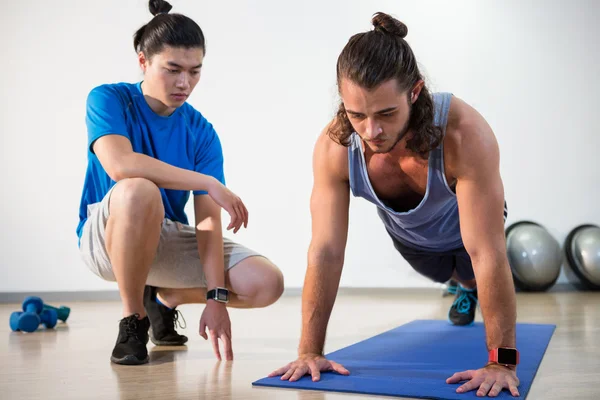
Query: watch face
(222, 295)
(507, 356)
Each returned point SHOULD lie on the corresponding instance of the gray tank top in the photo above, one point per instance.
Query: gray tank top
(433, 225)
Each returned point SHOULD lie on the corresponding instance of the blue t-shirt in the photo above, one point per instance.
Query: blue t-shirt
(184, 139)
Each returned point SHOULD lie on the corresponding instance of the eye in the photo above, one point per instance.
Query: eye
(387, 114)
(195, 72)
(172, 71)
(356, 116)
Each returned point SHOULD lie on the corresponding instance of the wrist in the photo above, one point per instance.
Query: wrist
(209, 183)
(218, 294)
(495, 364)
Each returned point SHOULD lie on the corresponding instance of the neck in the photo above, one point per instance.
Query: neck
(156, 105)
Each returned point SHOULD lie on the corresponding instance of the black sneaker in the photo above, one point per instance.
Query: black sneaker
(162, 321)
(462, 311)
(130, 348)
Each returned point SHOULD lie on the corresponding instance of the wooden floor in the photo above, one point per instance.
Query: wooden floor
(72, 361)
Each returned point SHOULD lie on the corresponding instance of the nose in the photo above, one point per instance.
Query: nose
(372, 129)
(182, 81)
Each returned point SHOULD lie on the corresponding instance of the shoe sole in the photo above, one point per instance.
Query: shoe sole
(129, 360)
(167, 343)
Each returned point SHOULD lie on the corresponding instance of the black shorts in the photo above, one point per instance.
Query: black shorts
(439, 266)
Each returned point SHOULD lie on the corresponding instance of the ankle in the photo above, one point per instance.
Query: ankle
(130, 312)
(167, 297)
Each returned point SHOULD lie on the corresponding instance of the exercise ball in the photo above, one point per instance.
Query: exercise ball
(582, 251)
(534, 256)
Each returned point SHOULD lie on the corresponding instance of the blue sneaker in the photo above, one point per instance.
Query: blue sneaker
(462, 311)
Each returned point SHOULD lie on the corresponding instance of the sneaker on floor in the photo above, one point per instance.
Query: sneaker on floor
(162, 321)
(130, 348)
(462, 311)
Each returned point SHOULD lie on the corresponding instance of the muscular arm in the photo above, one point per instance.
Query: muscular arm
(210, 240)
(120, 162)
(329, 209)
(480, 195)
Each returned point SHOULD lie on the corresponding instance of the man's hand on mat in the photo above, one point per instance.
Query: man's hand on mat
(311, 364)
(216, 318)
(490, 380)
(231, 203)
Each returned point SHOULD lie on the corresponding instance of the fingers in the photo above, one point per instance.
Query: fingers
(245, 211)
(203, 329)
(288, 373)
(472, 384)
(338, 368)
(513, 388)
(227, 346)
(314, 371)
(495, 390)
(299, 373)
(460, 376)
(239, 217)
(215, 343)
(485, 387)
(280, 371)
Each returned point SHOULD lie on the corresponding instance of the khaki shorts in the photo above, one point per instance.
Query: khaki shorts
(177, 262)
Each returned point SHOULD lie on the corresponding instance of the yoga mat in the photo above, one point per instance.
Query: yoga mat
(415, 359)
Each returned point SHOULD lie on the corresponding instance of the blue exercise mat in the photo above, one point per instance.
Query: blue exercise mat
(414, 360)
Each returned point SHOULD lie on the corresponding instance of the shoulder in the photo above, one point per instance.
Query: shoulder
(121, 92)
(329, 156)
(196, 120)
(469, 142)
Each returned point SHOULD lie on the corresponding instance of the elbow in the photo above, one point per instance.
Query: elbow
(491, 256)
(325, 255)
(118, 170)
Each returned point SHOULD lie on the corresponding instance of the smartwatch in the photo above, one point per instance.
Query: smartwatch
(504, 356)
(218, 294)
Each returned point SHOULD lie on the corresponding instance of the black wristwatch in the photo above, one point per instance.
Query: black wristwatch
(218, 294)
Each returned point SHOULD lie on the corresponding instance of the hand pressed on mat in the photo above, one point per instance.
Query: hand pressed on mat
(311, 364)
(216, 318)
(489, 380)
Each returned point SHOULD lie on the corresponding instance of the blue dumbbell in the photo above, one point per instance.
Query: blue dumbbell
(33, 314)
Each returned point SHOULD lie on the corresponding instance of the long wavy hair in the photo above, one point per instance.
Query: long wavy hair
(374, 57)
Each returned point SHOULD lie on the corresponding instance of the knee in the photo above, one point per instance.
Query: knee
(270, 287)
(137, 198)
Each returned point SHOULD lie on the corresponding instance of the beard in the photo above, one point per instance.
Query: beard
(403, 131)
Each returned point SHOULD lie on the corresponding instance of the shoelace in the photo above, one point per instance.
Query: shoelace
(176, 315)
(463, 302)
(131, 325)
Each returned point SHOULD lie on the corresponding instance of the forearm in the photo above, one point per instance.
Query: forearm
(136, 165)
(497, 300)
(210, 249)
(318, 296)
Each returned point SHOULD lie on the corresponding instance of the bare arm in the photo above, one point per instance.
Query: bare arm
(210, 240)
(120, 162)
(480, 196)
(329, 208)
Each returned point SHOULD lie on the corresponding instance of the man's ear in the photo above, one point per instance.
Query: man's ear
(416, 91)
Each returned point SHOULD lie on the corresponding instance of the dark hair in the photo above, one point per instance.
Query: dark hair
(374, 57)
(166, 29)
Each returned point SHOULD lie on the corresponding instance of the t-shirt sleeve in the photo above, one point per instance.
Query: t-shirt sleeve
(105, 114)
(209, 153)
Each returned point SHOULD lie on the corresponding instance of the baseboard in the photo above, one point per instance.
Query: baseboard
(113, 295)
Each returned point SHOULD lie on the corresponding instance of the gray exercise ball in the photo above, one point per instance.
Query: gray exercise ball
(534, 256)
(582, 250)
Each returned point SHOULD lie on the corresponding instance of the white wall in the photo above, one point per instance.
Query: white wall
(531, 68)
